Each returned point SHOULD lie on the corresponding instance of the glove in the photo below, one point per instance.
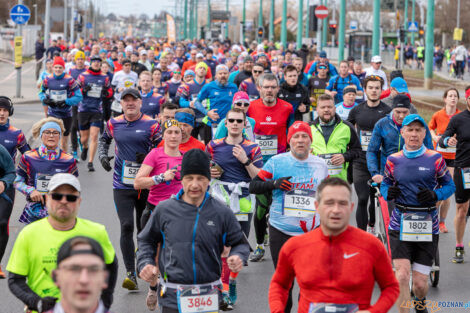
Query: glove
(426, 196)
(60, 104)
(283, 183)
(139, 157)
(104, 93)
(45, 304)
(393, 192)
(49, 102)
(85, 89)
(105, 163)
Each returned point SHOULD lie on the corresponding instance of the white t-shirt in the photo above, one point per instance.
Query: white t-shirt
(371, 72)
(124, 80)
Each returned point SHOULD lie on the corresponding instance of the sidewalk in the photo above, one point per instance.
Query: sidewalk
(29, 92)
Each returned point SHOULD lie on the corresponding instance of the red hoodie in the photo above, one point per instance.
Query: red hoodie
(334, 269)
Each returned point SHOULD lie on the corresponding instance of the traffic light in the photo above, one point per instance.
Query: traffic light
(421, 32)
(402, 35)
(313, 25)
(260, 32)
(332, 29)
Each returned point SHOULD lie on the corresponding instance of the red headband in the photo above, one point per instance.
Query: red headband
(467, 93)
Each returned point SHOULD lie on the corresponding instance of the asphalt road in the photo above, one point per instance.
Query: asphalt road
(253, 281)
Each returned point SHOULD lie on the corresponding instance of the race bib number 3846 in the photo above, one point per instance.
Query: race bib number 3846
(194, 299)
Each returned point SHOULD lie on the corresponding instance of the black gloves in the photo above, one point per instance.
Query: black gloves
(85, 89)
(139, 157)
(60, 104)
(283, 183)
(393, 192)
(104, 93)
(105, 163)
(49, 102)
(426, 196)
(45, 304)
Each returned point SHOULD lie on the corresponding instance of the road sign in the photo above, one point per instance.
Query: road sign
(18, 51)
(89, 25)
(413, 27)
(353, 25)
(458, 33)
(20, 14)
(321, 12)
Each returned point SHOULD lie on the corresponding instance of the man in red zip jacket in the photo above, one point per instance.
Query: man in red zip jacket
(335, 265)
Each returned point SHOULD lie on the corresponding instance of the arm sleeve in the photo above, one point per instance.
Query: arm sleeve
(387, 282)
(18, 287)
(105, 141)
(203, 94)
(450, 131)
(388, 180)
(446, 183)
(281, 282)
(22, 144)
(20, 181)
(373, 151)
(330, 83)
(260, 184)
(42, 90)
(6, 162)
(147, 241)
(76, 95)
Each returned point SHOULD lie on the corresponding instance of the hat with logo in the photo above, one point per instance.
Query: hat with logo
(413, 118)
(299, 126)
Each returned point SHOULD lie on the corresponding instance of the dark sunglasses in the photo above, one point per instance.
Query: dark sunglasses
(60, 196)
(242, 104)
(232, 120)
(257, 72)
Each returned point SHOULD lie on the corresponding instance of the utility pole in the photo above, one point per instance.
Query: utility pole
(376, 29)
(47, 28)
(209, 17)
(333, 37)
(271, 22)
(405, 21)
(243, 21)
(260, 17)
(429, 46)
(300, 23)
(413, 4)
(191, 19)
(284, 24)
(342, 28)
(196, 17)
(72, 22)
(307, 20)
(35, 6)
(324, 28)
(19, 32)
(226, 28)
(458, 13)
(185, 20)
(66, 22)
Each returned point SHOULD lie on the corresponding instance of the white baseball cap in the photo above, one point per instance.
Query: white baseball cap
(60, 179)
(376, 59)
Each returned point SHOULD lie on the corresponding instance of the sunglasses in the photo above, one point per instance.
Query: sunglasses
(233, 120)
(257, 72)
(60, 196)
(242, 104)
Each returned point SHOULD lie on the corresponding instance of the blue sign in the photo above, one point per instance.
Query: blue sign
(89, 25)
(413, 27)
(20, 14)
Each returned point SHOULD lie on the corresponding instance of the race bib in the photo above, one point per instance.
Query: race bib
(58, 95)
(116, 106)
(242, 217)
(466, 177)
(267, 144)
(416, 226)
(365, 139)
(95, 91)
(332, 169)
(195, 299)
(333, 308)
(299, 203)
(42, 182)
(129, 172)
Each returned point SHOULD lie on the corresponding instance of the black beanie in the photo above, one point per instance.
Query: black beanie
(401, 101)
(196, 161)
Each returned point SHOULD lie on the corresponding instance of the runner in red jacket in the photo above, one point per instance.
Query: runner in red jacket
(335, 264)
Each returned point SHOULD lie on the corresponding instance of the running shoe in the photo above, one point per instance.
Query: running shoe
(75, 156)
(371, 230)
(458, 257)
(420, 305)
(3, 276)
(152, 300)
(258, 255)
(232, 290)
(227, 304)
(130, 282)
(443, 228)
(84, 154)
(91, 168)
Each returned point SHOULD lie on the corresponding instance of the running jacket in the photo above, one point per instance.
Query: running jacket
(219, 97)
(53, 87)
(334, 269)
(386, 140)
(192, 240)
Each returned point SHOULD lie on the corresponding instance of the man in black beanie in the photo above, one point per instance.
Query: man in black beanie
(194, 228)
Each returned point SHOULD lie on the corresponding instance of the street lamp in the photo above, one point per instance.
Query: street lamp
(35, 6)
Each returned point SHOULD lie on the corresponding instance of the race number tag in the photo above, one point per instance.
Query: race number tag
(129, 172)
(333, 308)
(416, 226)
(95, 91)
(332, 169)
(299, 203)
(267, 144)
(116, 106)
(466, 177)
(42, 182)
(242, 217)
(58, 95)
(365, 139)
(195, 299)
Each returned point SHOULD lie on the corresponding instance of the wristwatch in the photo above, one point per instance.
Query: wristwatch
(248, 162)
(39, 306)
